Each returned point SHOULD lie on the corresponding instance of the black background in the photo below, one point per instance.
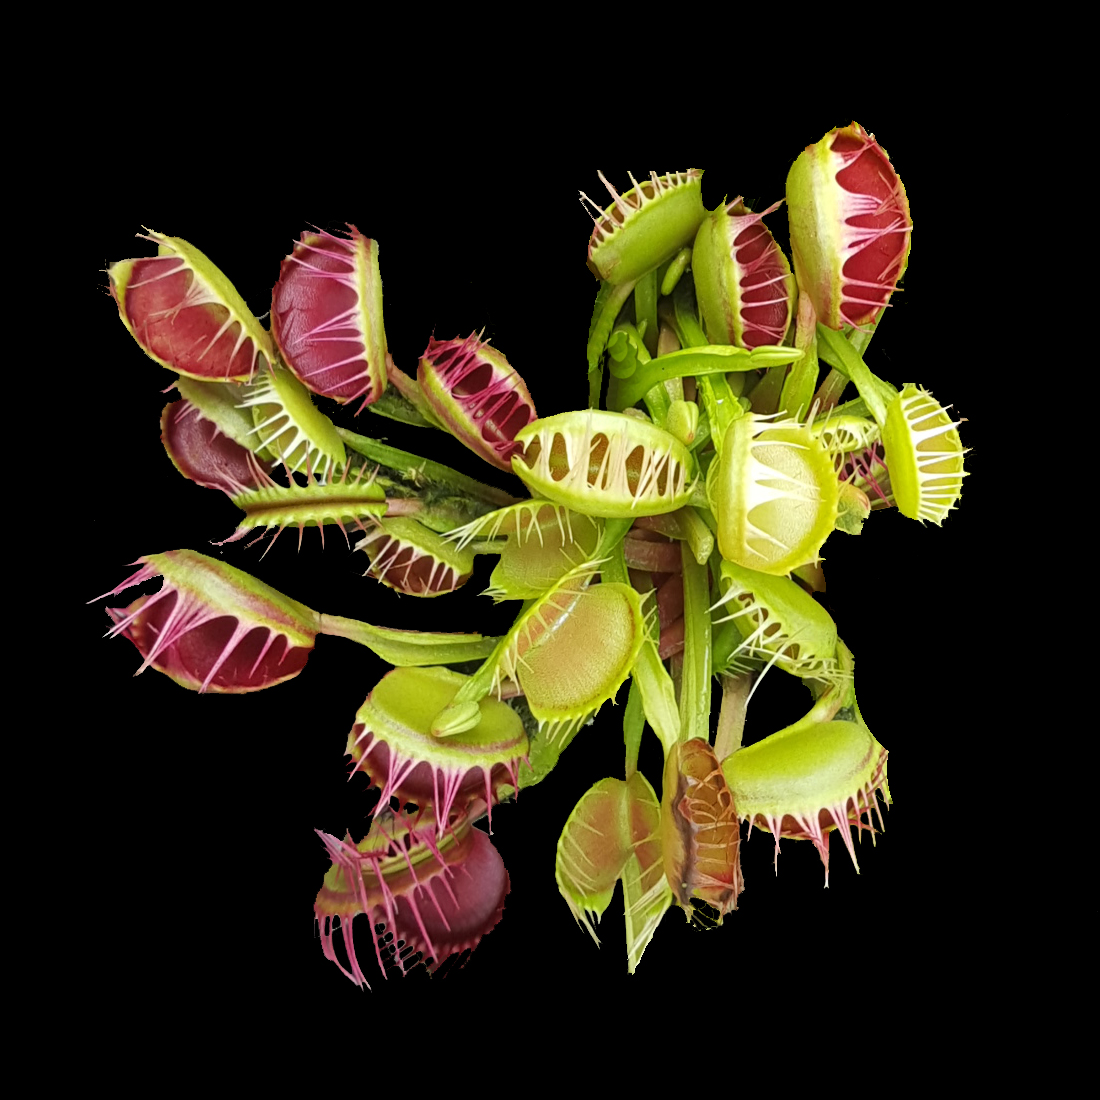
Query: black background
(206, 805)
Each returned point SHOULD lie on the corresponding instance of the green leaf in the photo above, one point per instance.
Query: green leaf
(695, 685)
(712, 359)
(405, 648)
(838, 353)
(633, 726)
(609, 301)
(415, 468)
(392, 405)
(645, 308)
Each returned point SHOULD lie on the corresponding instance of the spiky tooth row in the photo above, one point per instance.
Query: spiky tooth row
(437, 897)
(342, 502)
(774, 492)
(290, 427)
(809, 779)
(645, 226)
(523, 520)
(392, 741)
(407, 557)
(779, 620)
(213, 627)
(605, 464)
(531, 563)
(924, 454)
(841, 434)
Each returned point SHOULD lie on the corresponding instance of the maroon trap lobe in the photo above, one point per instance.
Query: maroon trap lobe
(764, 276)
(173, 316)
(203, 453)
(475, 392)
(874, 270)
(326, 316)
(205, 657)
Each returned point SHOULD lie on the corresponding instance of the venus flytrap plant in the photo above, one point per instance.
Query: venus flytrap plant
(529, 567)
(210, 438)
(643, 229)
(615, 822)
(222, 405)
(212, 627)
(918, 436)
(670, 539)
(567, 678)
(532, 625)
(570, 650)
(851, 233)
(924, 456)
(426, 475)
(700, 834)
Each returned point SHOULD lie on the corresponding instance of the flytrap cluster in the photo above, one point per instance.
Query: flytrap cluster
(672, 535)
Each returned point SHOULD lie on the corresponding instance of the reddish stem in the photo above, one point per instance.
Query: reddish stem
(670, 600)
(667, 524)
(654, 557)
(830, 391)
(672, 640)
